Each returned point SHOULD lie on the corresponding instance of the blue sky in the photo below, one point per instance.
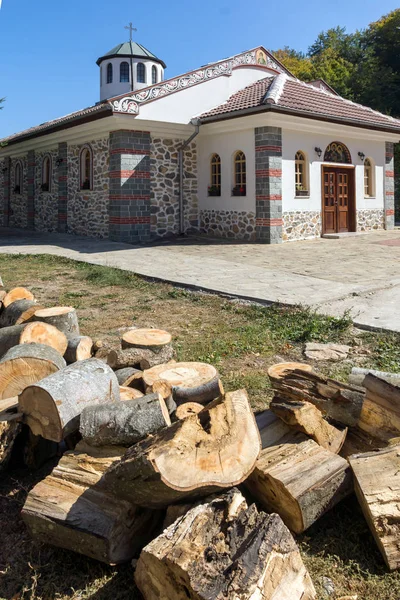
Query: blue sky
(48, 49)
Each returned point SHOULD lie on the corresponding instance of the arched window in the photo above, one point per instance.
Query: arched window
(124, 72)
(369, 178)
(154, 74)
(214, 189)
(109, 73)
(337, 152)
(18, 181)
(239, 170)
(86, 168)
(301, 179)
(141, 73)
(46, 173)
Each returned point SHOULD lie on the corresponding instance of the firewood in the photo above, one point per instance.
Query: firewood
(138, 357)
(305, 417)
(299, 480)
(9, 409)
(32, 333)
(71, 510)
(128, 393)
(36, 451)
(62, 317)
(357, 376)
(9, 431)
(18, 312)
(149, 339)
(1, 283)
(26, 364)
(380, 415)
(188, 409)
(175, 511)
(3, 294)
(216, 448)
(185, 381)
(130, 377)
(339, 401)
(224, 550)
(377, 486)
(79, 348)
(123, 423)
(19, 293)
(52, 407)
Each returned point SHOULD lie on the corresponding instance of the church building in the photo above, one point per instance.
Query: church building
(238, 149)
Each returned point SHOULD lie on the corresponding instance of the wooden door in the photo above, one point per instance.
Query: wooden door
(338, 200)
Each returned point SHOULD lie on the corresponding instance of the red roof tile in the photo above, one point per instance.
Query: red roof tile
(248, 97)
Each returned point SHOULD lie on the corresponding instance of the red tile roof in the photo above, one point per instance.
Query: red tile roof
(248, 97)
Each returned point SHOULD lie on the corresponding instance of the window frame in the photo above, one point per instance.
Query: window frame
(18, 177)
(239, 174)
(86, 151)
(369, 165)
(124, 64)
(47, 173)
(154, 75)
(109, 73)
(214, 189)
(141, 65)
(301, 180)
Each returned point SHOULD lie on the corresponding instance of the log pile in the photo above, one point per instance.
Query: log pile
(151, 453)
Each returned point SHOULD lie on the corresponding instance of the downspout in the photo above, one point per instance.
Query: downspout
(196, 123)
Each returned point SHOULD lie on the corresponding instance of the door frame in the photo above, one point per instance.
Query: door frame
(352, 194)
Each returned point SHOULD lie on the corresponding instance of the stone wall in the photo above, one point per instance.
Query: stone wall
(46, 203)
(19, 202)
(301, 225)
(228, 224)
(164, 194)
(268, 151)
(2, 207)
(389, 185)
(87, 210)
(368, 220)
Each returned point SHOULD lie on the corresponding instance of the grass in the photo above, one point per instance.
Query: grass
(242, 340)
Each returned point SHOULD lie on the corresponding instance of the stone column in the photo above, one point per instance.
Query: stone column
(7, 190)
(31, 190)
(62, 187)
(129, 206)
(389, 186)
(268, 149)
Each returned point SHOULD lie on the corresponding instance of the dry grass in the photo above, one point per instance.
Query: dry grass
(242, 341)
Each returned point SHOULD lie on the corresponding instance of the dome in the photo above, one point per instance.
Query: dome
(131, 49)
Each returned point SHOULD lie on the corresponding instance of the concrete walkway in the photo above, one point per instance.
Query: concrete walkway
(360, 274)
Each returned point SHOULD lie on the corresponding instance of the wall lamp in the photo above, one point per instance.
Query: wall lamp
(318, 151)
(361, 155)
(59, 161)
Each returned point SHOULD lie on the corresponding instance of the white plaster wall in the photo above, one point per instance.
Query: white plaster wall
(292, 141)
(109, 90)
(226, 145)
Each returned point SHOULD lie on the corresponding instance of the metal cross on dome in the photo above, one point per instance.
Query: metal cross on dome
(130, 27)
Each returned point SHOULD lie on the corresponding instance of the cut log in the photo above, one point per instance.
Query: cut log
(339, 401)
(128, 375)
(123, 423)
(53, 406)
(62, 317)
(185, 381)
(377, 486)
(128, 393)
(9, 431)
(32, 333)
(305, 417)
(216, 448)
(3, 294)
(380, 415)
(79, 348)
(224, 550)
(150, 339)
(18, 312)
(71, 510)
(299, 480)
(137, 357)
(19, 293)
(26, 364)
(358, 375)
(188, 409)
(9, 410)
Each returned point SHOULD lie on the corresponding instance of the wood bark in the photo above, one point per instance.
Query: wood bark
(70, 509)
(25, 364)
(19, 293)
(224, 550)
(339, 401)
(130, 377)
(380, 415)
(150, 339)
(138, 357)
(52, 407)
(305, 417)
(185, 381)
(128, 393)
(32, 333)
(357, 376)
(216, 448)
(299, 480)
(79, 348)
(62, 317)
(188, 409)
(18, 312)
(124, 423)
(377, 486)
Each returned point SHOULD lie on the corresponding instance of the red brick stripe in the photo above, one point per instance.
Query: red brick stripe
(388, 193)
(128, 151)
(63, 178)
(63, 198)
(129, 174)
(31, 180)
(129, 220)
(271, 197)
(132, 197)
(389, 173)
(269, 173)
(269, 222)
(390, 212)
(62, 217)
(31, 214)
(268, 148)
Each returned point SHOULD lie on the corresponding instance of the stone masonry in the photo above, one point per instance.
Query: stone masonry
(46, 203)
(301, 225)
(228, 224)
(389, 186)
(62, 187)
(370, 220)
(18, 204)
(130, 186)
(268, 150)
(6, 190)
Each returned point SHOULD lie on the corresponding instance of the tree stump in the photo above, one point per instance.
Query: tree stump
(148, 339)
(53, 406)
(32, 333)
(62, 317)
(185, 381)
(214, 449)
(18, 312)
(224, 550)
(24, 365)
(19, 293)
(79, 348)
